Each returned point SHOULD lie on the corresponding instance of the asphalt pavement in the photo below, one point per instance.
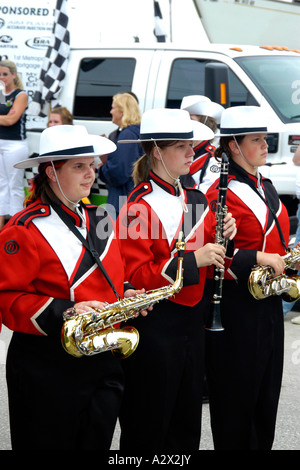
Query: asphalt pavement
(288, 421)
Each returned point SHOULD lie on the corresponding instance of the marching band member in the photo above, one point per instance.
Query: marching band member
(57, 401)
(245, 361)
(164, 377)
(205, 169)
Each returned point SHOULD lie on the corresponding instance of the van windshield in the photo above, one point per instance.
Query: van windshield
(278, 79)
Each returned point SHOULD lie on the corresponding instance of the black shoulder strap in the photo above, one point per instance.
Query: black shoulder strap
(204, 168)
(86, 243)
(273, 212)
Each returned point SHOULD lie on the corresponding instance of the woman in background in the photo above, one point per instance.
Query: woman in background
(117, 170)
(13, 143)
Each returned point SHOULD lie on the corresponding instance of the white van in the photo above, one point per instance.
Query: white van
(162, 74)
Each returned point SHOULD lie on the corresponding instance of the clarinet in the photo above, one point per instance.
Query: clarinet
(214, 321)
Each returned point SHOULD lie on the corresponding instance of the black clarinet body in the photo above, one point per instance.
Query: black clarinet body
(214, 319)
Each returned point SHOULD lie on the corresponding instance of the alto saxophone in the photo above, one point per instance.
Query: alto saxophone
(262, 283)
(92, 332)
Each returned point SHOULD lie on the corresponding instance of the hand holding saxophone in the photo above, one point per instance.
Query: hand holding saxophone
(268, 277)
(133, 293)
(86, 306)
(274, 260)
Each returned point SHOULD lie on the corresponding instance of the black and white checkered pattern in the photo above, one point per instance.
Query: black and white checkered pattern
(159, 29)
(54, 65)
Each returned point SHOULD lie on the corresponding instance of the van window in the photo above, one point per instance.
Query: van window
(99, 79)
(188, 78)
(278, 80)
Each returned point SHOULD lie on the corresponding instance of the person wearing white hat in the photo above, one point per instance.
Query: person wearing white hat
(57, 401)
(162, 402)
(205, 169)
(244, 363)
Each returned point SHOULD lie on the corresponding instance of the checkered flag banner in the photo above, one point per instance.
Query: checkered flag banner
(54, 65)
(159, 30)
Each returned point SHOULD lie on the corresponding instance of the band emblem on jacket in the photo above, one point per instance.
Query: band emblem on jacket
(11, 247)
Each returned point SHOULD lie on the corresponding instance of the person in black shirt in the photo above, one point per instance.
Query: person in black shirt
(13, 143)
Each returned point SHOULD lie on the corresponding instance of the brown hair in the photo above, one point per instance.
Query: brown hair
(39, 185)
(64, 113)
(146, 163)
(224, 146)
(209, 122)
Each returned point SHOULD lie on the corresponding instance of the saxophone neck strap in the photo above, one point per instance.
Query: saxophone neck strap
(273, 212)
(87, 243)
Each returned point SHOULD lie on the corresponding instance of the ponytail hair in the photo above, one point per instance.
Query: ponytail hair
(141, 169)
(146, 163)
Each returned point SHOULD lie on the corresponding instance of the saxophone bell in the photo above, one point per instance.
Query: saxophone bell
(122, 342)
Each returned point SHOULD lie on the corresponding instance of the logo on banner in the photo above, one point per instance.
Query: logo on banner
(5, 38)
(41, 42)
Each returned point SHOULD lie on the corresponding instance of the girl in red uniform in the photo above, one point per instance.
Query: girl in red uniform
(245, 361)
(162, 404)
(57, 401)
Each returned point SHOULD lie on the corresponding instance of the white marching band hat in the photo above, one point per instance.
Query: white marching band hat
(202, 106)
(65, 142)
(170, 124)
(242, 120)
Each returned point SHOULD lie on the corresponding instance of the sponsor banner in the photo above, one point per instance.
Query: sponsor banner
(25, 34)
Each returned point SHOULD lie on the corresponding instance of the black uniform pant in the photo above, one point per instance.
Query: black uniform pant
(244, 370)
(162, 403)
(57, 401)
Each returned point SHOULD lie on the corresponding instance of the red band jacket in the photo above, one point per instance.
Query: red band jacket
(256, 227)
(45, 269)
(148, 228)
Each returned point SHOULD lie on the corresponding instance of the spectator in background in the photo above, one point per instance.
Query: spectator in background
(58, 116)
(13, 142)
(116, 170)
